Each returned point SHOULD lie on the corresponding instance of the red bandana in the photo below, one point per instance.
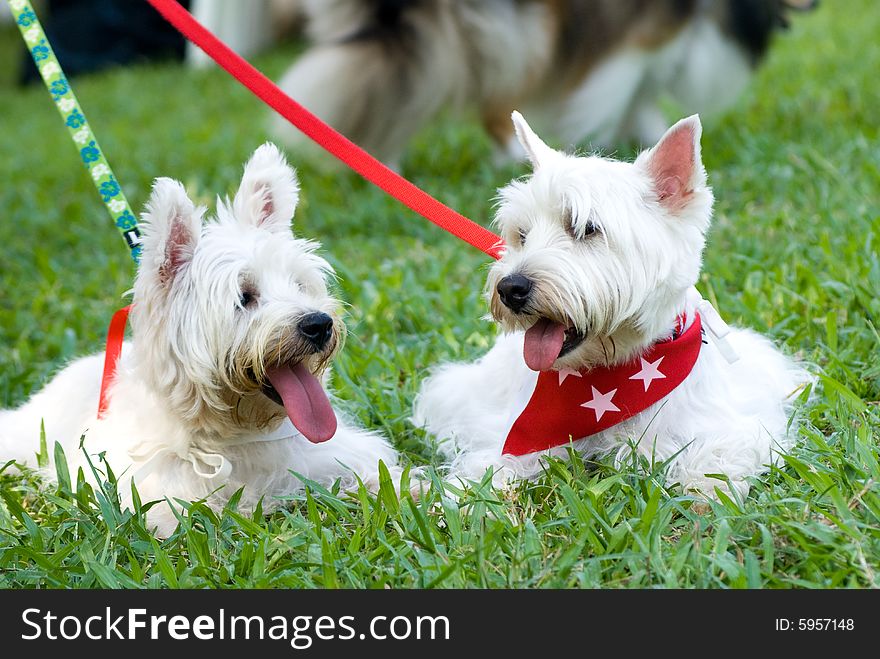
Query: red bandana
(567, 405)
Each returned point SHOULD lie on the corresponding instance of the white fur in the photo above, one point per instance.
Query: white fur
(714, 72)
(700, 68)
(595, 108)
(183, 421)
(624, 287)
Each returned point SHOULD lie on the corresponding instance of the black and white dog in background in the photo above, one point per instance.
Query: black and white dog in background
(379, 70)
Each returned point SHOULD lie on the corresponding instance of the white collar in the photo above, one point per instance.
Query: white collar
(215, 467)
(285, 430)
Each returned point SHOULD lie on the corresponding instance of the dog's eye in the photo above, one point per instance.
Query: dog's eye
(589, 228)
(248, 298)
(522, 237)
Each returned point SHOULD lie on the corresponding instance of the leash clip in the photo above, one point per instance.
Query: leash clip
(714, 324)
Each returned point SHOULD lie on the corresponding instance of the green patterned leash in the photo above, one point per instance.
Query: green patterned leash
(86, 143)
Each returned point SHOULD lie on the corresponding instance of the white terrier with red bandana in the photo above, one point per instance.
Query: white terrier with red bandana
(221, 386)
(608, 347)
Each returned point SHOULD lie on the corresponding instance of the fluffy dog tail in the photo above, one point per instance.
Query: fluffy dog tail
(378, 70)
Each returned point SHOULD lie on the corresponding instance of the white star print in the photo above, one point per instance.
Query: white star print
(601, 403)
(650, 372)
(565, 372)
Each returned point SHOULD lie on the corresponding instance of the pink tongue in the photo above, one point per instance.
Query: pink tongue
(544, 340)
(305, 401)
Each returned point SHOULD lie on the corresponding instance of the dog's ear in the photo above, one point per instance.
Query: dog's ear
(269, 191)
(675, 164)
(537, 151)
(172, 226)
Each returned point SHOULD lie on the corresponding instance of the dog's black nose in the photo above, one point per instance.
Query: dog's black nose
(514, 291)
(316, 328)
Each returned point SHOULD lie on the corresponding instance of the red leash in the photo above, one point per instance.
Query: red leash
(111, 355)
(332, 141)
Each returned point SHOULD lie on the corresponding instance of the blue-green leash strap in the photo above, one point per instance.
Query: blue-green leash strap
(75, 120)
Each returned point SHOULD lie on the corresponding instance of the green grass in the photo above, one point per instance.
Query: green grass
(793, 254)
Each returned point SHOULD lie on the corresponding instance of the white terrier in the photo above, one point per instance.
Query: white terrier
(595, 290)
(232, 325)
